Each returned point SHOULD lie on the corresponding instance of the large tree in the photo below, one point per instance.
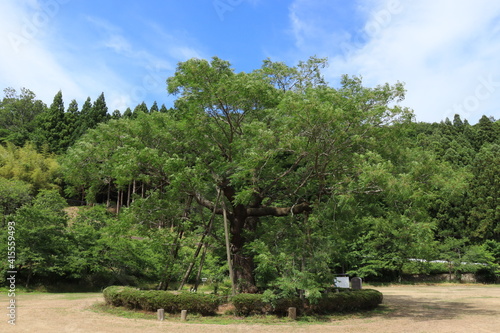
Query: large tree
(52, 126)
(92, 114)
(18, 114)
(275, 142)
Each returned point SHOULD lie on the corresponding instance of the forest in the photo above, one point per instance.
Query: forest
(272, 178)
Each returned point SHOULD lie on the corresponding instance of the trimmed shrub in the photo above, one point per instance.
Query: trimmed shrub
(112, 295)
(152, 300)
(354, 300)
(281, 305)
(247, 304)
(329, 303)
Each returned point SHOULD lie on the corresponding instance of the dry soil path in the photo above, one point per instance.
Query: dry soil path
(441, 308)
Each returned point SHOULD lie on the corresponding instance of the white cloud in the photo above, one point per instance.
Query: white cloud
(29, 59)
(99, 58)
(318, 24)
(24, 61)
(178, 45)
(151, 64)
(443, 51)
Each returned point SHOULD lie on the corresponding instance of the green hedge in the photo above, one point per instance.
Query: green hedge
(152, 300)
(354, 300)
(248, 304)
(245, 304)
(346, 301)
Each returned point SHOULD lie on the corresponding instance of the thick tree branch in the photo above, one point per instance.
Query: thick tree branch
(286, 173)
(206, 203)
(279, 211)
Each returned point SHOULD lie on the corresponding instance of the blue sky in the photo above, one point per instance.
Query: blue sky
(447, 52)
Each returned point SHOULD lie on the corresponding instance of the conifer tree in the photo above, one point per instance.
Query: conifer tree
(116, 114)
(99, 112)
(93, 114)
(128, 113)
(484, 132)
(85, 116)
(52, 126)
(141, 108)
(154, 107)
(72, 117)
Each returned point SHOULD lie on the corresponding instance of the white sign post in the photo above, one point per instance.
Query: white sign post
(341, 282)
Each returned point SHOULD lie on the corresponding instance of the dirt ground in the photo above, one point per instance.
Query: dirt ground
(439, 308)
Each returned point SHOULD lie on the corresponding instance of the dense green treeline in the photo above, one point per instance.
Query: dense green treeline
(312, 181)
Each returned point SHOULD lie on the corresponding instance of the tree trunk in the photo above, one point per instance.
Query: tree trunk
(228, 251)
(108, 199)
(133, 187)
(128, 196)
(243, 264)
(119, 202)
(244, 220)
(30, 273)
(121, 199)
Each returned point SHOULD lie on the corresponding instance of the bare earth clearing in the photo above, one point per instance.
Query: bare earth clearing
(440, 308)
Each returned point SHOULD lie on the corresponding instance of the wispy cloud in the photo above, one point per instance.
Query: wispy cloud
(151, 63)
(111, 36)
(25, 60)
(441, 49)
(177, 45)
(319, 24)
(103, 57)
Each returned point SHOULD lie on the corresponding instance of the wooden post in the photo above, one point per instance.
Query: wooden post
(292, 313)
(184, 315)
(228, 249)
(161, 314)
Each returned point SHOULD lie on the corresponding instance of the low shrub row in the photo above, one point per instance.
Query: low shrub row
(249, 304)
(152, 300)
(355, 300)
(245, 304)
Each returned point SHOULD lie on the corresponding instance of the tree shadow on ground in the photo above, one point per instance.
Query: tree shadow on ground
(421, 309)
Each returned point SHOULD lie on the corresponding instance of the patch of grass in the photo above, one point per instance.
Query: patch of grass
(381, 310)
(21, 291)
(431, 307)
(62, 288)
(230, 319)
(122, 312)
(74, 296)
